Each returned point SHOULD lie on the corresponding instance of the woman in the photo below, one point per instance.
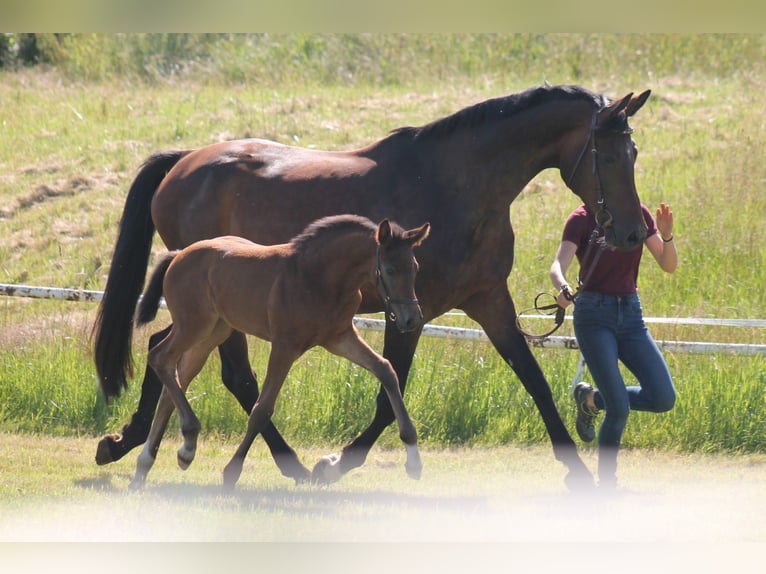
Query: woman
(609, 326)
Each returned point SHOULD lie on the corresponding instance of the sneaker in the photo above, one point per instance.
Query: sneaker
(586, 415)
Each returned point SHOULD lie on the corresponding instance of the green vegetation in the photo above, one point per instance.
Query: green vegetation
(81, 112)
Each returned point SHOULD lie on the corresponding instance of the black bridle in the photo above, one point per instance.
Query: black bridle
(603, 220)
(603, 216)
(383, 291)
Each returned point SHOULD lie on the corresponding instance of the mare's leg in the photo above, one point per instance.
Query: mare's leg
(399, 349)
(113, 447)
(281, 359)
(353, 348)
(239, 378)
(495, 312)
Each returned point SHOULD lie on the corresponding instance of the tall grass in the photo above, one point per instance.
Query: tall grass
(76, 128)
(279, 60)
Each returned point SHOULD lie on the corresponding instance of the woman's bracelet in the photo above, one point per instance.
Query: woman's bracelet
(668, 240)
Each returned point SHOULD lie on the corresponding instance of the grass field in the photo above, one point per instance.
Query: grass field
(501, 508)
(76, 129)
(503, 494)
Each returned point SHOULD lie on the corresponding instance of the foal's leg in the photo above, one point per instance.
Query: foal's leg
(281, 359)
(177, 360)
(148, 454)
(190, 365)
(399, 349)
(352, 347)
(239, 378)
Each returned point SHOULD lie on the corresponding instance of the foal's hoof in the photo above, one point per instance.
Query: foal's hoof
(414, 472)
(185, 458)
(413, 466)
(327, 470)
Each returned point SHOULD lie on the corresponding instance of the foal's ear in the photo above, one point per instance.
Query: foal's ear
(418, 235)
(383, 233)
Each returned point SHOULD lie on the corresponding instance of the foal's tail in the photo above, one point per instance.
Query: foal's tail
(150, 301)
(113, 329)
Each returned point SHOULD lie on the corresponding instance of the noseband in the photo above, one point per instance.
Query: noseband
(383, 291)
(603, 216)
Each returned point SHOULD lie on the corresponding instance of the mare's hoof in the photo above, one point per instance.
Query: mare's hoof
(302, 478)
(579, 481)
(105, 452)
(137, 483)
(327, 470)
(230, 476)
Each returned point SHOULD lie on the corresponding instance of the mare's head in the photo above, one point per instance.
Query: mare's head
(396, 270)
(597, 163)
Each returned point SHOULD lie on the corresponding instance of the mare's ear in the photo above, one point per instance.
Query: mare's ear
(383, 233)
(614, 108)
(637, 102)
(418, 235)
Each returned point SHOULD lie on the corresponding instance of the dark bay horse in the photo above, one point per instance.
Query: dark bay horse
(297, 295)
(460, 172)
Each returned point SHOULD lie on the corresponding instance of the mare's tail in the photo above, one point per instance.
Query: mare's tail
(113, 329)
(150, 301)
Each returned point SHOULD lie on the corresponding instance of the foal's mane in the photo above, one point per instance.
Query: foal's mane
(335, 225)
(503, 107)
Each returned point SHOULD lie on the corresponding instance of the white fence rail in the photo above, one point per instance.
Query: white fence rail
(441, 331)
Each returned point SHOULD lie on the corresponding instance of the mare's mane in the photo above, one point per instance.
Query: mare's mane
(497, 108)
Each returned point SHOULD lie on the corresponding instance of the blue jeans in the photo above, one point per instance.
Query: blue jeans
(608, 329)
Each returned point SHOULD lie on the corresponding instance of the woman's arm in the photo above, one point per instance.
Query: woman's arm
(559, 267)
(662, 245)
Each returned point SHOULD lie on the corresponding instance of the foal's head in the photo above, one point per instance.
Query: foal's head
(396, 270)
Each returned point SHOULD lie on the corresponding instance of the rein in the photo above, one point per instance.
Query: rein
(383, 291)
(603, 220)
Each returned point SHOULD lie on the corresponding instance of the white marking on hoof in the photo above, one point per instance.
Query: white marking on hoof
(144, 463)
(413, 466)
(327, 470)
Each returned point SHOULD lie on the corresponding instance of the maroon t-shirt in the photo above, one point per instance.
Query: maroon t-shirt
(616, 272)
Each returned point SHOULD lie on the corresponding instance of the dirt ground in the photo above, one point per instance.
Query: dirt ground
(505, 509)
